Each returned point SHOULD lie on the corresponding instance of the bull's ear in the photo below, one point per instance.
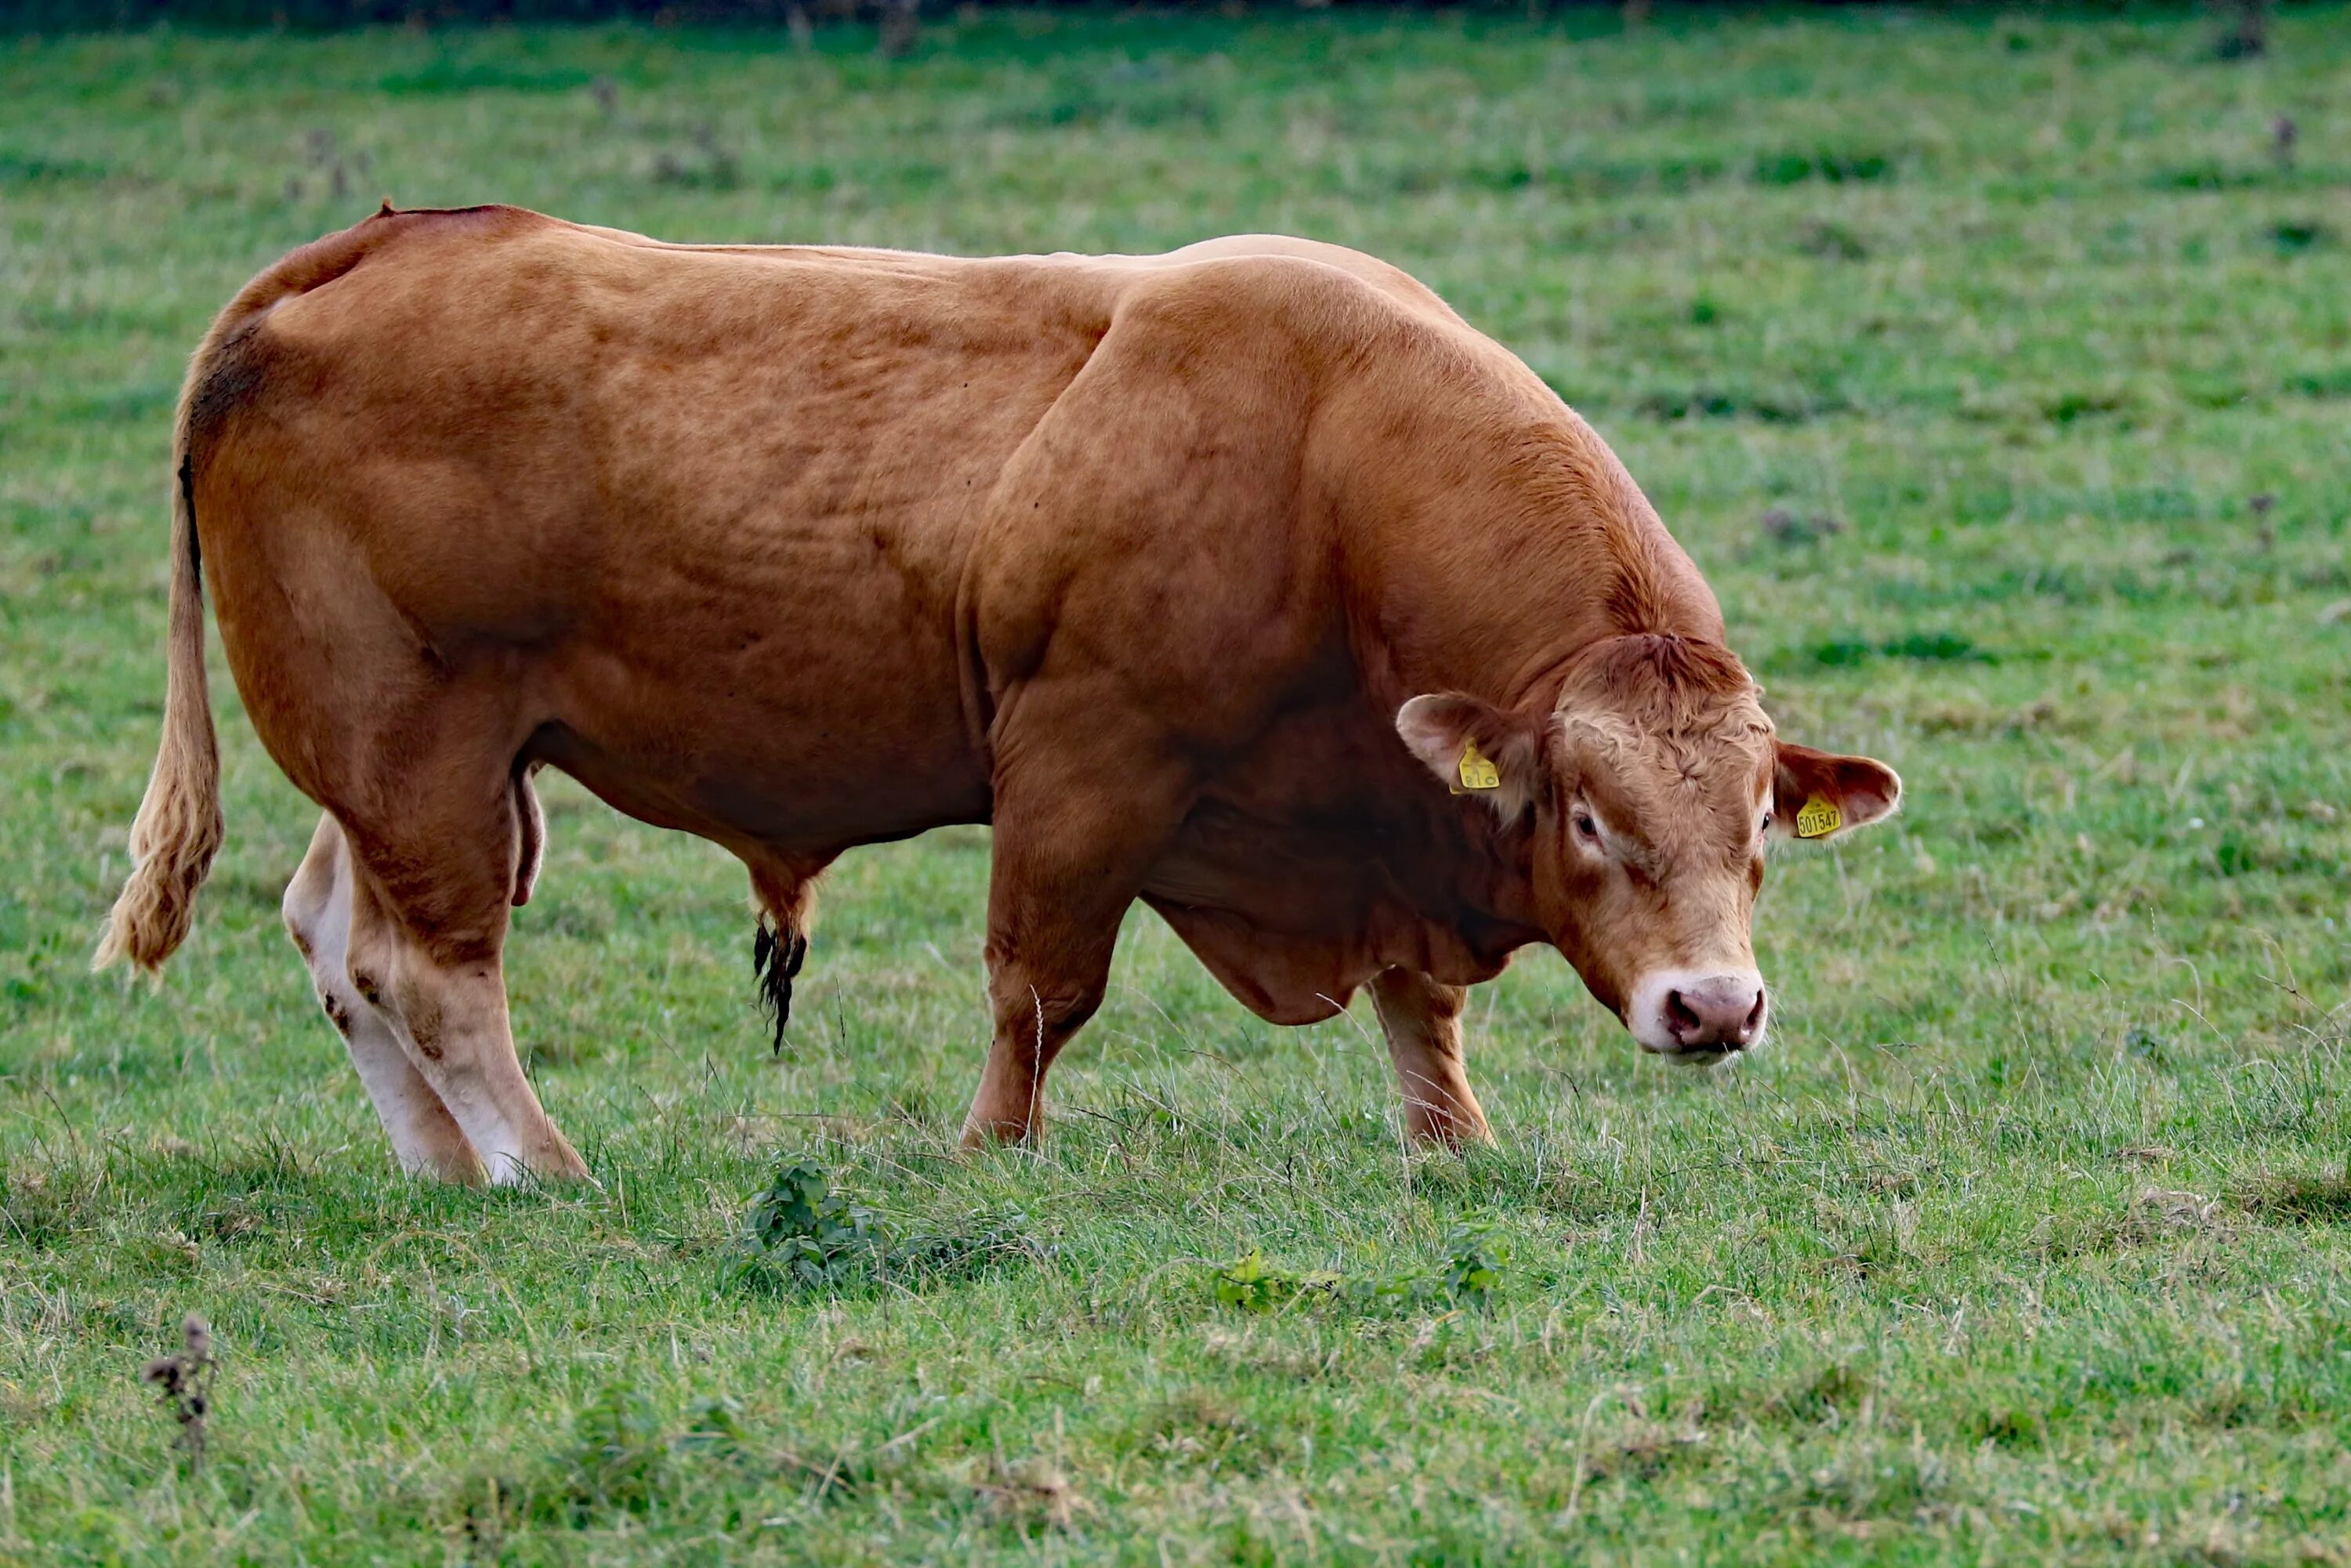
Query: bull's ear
(1476, 748)
(1817, 794)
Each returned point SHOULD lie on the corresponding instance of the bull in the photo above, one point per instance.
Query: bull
(1248, 581)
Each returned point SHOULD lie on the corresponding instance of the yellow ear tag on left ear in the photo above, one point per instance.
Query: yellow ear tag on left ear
(1818, 819)
(1477, 772)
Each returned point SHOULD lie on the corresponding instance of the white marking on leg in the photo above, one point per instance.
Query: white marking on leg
(467, 1053)
(424, 1139)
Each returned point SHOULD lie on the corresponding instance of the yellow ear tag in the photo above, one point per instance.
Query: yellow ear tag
(1476, 773)
(1818, 819)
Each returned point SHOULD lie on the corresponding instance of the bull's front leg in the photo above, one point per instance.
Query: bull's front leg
(1422, 1020)
(1037, 1002)
(1076, 834)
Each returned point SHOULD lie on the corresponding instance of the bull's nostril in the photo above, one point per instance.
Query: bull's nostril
(1755, 1014)
(1680, 1017)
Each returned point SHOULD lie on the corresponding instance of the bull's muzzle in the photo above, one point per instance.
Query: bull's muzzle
(1700, 1016)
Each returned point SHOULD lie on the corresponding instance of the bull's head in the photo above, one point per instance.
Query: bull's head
(1646, 795)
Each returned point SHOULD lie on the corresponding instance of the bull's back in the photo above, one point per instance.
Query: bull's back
(705, 511)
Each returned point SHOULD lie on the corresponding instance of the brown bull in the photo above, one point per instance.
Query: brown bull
(1247, 581)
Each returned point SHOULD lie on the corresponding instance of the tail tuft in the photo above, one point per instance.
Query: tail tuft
(171, 849)
(177, 830)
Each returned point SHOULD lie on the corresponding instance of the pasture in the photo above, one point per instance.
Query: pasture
(1996, 368)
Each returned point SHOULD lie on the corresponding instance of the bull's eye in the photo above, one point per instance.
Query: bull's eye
(1767, 825)
(1586, 830)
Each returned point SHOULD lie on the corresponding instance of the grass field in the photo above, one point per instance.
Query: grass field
(1997, 369)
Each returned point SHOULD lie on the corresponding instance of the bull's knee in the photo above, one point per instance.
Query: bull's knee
(368, 966)
(313, 926)
(1041, 1015)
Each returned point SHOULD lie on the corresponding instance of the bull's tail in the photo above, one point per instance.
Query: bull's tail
(177, 830)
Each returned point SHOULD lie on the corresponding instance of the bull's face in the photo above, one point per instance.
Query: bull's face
(1646, 798)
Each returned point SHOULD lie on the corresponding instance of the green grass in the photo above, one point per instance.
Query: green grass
(1956, 351)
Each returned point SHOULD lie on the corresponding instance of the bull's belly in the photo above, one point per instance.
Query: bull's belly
(763, 797)
(785, 744)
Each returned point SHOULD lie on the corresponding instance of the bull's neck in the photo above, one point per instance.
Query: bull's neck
(1513, 649)
(1492, 587)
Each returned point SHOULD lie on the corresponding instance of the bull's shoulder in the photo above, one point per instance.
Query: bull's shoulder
(1386, 369)
(1389, 280)
(1235, 301)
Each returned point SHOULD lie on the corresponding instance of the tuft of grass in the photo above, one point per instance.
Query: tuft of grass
(801, 1234)
(1933, 647)
(1474, 1259)
(1830, 168)
(2295, 235)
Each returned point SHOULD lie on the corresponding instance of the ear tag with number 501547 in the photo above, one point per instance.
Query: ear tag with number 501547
(1819, 819)
(1477, 772)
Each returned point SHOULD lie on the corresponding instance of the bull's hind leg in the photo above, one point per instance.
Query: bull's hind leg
(434, 857)
(425, 1139)
(1423, 1022)
(426, 935)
